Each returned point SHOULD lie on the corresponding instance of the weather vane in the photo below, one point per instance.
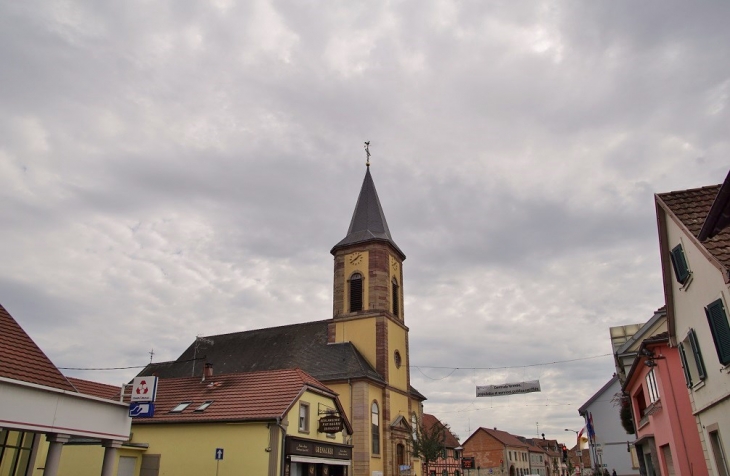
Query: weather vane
(367, 153)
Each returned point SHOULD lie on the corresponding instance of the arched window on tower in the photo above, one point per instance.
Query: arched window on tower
(396, 297)
(375, 425)
(356, 292)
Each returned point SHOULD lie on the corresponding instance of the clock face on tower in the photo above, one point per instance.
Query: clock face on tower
(355, 258)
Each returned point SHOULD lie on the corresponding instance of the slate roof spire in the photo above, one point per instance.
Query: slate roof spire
(368, 221)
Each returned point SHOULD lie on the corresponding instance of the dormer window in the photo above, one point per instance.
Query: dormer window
(356, 292)
(679, 263)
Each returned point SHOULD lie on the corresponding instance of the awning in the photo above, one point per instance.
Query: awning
(312, 459)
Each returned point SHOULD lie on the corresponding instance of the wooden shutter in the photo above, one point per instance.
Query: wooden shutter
(679, 262)
(701, 372)
(717, 318)
(685, 366)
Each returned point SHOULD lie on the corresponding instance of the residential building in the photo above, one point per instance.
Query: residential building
(538, 457)
(498, 452)
(361, 352)
(608, 441)
(449, 462)
(626, 339)
(40, 410)
(695, 256)
(242, 423)
(667, 439)
(554, 455)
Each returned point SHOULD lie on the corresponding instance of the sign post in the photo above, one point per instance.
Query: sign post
(218, 458)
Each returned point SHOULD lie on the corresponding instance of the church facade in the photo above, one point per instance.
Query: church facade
(361, 352)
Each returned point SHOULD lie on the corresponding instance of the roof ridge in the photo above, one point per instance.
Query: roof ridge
(695, 189)
(269, 328)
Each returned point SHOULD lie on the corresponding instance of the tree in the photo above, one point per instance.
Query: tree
(428, 444)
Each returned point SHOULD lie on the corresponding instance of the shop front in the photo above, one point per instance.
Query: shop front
(316, 458)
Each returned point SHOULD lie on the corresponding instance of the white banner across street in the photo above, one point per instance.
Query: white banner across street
(508, 389)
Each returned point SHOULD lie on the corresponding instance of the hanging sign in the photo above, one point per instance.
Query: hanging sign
(330, 424)
(508, 389)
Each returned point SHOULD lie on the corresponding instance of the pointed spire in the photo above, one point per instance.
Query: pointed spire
(368, 221)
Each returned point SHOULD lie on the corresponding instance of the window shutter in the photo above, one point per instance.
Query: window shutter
(717, 318)
(698, 354)
(685, 367)
(679, 262)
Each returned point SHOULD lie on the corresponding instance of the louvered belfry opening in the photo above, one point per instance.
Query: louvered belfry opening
(356, 292)
(396, 308)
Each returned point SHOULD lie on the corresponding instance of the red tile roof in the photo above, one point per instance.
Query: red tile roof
(429, 421)
(501, 436)
(691, 208)
(96, 389)
(21, 359)
(263, 395)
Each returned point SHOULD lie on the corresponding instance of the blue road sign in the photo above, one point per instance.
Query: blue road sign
(141, 409)
(219, 454)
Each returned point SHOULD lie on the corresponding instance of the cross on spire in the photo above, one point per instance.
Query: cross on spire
(367, 153)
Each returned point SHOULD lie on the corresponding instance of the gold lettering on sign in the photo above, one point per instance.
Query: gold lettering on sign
(323, 450)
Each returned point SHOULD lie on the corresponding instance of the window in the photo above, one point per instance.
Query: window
(397, 359)
(394, 286)
(445, 472)
(304, 417)
(679, 263)
(15, 451)
(717, 318)
(651, 387)
(694, 368)
(356, 292)
(180, 407)
(400, 454)
(718, 453)
(204, 405)
(375, 425)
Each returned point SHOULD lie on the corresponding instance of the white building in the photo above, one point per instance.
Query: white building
(36, 400)
(695, 255)
(609, 447)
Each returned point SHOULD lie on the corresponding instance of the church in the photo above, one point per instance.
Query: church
(361, 352)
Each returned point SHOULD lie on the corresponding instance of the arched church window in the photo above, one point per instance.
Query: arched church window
(396, 296)
(356, 292)
(375, 425)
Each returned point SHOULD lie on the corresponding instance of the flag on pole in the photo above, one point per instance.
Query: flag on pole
(590, 427)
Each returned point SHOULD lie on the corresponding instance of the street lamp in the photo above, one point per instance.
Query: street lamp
(577, 447)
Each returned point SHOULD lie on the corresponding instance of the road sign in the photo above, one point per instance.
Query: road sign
(144, 389)
(141, 409)
(218, 454)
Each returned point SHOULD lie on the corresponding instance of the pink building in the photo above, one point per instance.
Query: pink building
(668, 441)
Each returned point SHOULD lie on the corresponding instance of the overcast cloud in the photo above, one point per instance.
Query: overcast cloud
(173, 169)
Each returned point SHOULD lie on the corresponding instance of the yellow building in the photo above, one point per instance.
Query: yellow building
(361, 352)
(243, 423)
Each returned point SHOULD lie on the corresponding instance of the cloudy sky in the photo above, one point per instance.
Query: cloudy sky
(173, 169)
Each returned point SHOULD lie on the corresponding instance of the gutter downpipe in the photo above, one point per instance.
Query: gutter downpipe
(283, 445)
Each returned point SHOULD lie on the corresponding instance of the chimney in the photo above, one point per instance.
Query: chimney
(208, 371)
(543, 436)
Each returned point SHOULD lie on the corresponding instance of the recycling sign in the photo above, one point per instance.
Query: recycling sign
(144, 389)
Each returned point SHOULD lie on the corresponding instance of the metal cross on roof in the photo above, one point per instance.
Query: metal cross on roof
(367, 153)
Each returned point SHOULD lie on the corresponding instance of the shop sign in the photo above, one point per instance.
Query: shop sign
(296, 446)
(508, 389)
(330, 424)
(467, 463)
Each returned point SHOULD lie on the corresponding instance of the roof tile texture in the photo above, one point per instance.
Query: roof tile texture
(236, 397)
(691, 208)
(96, 389)
(21, 359)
